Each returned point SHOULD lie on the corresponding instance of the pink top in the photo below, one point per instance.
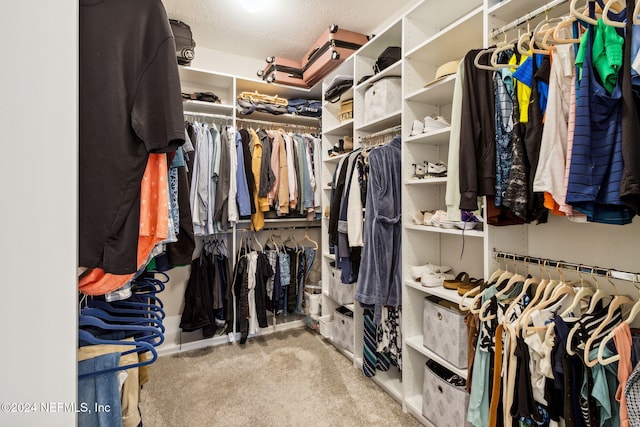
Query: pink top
(622, 339)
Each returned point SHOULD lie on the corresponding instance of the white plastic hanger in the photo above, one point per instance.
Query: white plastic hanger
(618, 301)
(605, 14)
(483, 52)
(579, 15)
(630, 318)
(313, 242)
(557, 31)
(584, 291)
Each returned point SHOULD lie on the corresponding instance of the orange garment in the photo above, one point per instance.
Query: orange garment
(551, 204)
(623, 341)
(154, 227)
(257, 219)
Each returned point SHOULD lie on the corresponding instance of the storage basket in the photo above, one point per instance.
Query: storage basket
(444, 331)
(342, 293)
(343, 328)
(444, 398)
(326, 326)
(382, 98)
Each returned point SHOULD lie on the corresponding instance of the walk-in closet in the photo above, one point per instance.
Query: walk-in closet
(275, 212)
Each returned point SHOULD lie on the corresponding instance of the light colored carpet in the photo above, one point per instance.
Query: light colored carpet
(289, 378)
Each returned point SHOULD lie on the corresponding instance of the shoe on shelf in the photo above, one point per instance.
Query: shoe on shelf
(427, 218)
(432, 279)
(470, 285)
(440, 220)
(436, 170)
(434, 123)
(420, 270)
(417, 127)
(348, 143)
(419, 170)
(460, 279)
(418, 218)
(468, 221)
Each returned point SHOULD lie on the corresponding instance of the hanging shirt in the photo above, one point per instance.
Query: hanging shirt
(242, 195)
(257, 219)
(130, 106)
(232, 205)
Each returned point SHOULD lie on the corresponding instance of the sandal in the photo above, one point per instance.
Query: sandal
(460, 280)
(471, 284)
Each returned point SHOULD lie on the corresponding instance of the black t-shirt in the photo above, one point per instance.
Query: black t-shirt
(130, 105)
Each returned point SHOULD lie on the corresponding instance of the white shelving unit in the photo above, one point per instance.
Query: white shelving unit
(429, 39)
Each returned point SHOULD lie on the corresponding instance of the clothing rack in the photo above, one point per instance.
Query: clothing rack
(205, 116)
(381, 137)
(291, 127)
(529, 16)
(581, 268)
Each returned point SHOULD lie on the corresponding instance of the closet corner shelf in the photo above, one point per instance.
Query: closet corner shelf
(382, 123)
(387, 380)
(208, 107)
(452, 42)
(416, 344)
(423, 14)
(344, 128)
(438, 137)
(440, 93)
(439, 291)
(426, 181)
(456, 231)
(395, 70)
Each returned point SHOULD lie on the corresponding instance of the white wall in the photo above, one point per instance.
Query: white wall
(38, 189)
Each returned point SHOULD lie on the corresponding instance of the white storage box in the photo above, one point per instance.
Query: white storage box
(343, 328)
(382, 98)
(444, 331)
(326, 326)
(342, 293)
(444, 398)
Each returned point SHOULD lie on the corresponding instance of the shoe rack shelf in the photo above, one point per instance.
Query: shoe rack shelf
(437, 137)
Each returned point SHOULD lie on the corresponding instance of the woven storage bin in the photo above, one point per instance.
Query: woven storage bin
(343, 328)
(443, 404)
(342, 293)
(444, 331)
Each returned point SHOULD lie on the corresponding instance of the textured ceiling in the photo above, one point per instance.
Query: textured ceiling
(286, 28)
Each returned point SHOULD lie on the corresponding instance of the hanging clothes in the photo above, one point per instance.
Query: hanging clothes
(379, 282)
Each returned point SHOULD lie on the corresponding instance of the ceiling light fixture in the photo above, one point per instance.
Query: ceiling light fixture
(255, 6)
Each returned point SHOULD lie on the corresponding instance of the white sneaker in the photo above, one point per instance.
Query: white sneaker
(418, 127)
(440, 219)
(436, 170)
(432, 280)
(420, 270)
(434, 123)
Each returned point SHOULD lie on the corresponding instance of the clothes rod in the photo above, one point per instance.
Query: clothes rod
(276, 124)
(529, 16)
(215, 116)
(387, 131)
(582, 268)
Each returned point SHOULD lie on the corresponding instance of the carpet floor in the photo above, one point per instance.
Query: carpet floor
(289, 378)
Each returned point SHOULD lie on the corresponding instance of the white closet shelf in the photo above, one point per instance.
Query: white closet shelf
(336, 159)
(415, 343)
(509, 10)
(291, 119)
(389, 380)
(346, 95)
(208, 107)
(202, 77)
(440, 93)
(438, 291)
(382, 123)
(437, 137)
(426, 181)
(390, 36)
(344, 128)
(453, 42)
(426, 14)
(456, 231)
(394, 70)
(328, 255)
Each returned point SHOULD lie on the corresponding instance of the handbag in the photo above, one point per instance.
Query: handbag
(387, 58)
(338, 86)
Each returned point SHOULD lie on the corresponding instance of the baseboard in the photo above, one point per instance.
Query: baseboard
(177, 341)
